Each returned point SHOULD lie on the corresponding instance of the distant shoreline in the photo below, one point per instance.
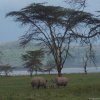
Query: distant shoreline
(64, 71)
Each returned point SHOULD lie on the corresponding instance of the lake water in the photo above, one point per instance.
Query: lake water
(64, 70)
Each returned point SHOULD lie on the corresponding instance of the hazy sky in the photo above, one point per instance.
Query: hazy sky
(11, 31)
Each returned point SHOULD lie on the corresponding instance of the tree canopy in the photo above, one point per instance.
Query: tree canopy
(33, 60)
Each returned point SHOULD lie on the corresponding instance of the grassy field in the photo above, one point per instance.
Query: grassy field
(80, 87)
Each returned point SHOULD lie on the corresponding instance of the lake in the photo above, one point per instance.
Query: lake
(64, 70)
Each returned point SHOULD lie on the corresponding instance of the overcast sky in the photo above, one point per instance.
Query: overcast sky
(11, 31)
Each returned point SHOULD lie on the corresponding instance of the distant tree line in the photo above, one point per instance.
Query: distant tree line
(32, 61)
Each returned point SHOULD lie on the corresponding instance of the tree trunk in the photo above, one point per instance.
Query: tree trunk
(6, 74)
(59, 73)
(85, 70)
(31, 74)
(59, 64)
(59, 70)
(35, 72)
(85, 67)
(49, 72)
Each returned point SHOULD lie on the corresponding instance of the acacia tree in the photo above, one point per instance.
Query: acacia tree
(57, 28)
(6, 69)
(89, 57)
(33, 60)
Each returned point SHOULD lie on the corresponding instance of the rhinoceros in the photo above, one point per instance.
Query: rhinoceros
(60, 81)
(39, 82)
